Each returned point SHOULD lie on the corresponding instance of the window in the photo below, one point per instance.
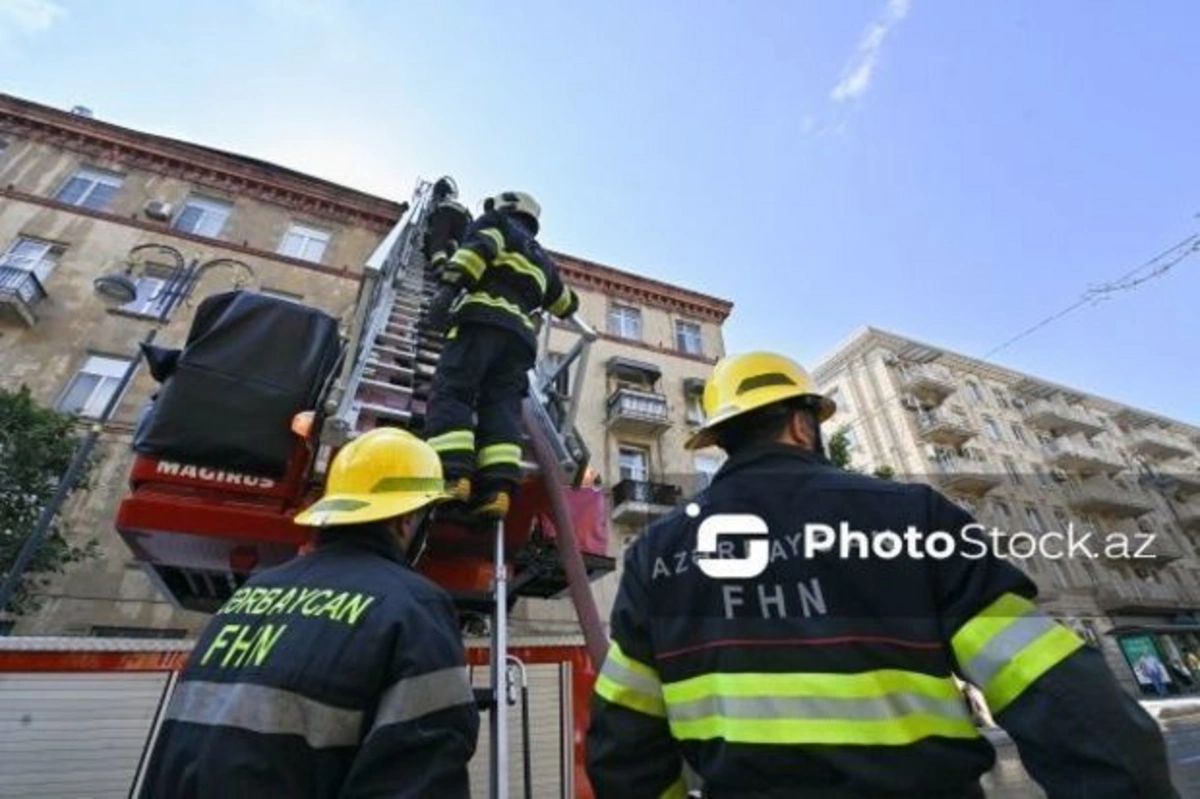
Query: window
(1010, 466)
(706, 468)
(1035, 520)
(562, 380)
(1002, 511)
(305, 243)
(976, 393)
(154, 292)
(851, 438)
(695, 408)
(1062, 519)
(103, 631)
(90, 188)
(625, 321)
(1001, 399)
(32, 255)
(93, 386)
(687, 337)
(634, 463)
(1042, 476)
(203, 216)
(1019, 434)
(993, 429)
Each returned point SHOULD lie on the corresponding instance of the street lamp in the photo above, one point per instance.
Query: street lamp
(114, 288)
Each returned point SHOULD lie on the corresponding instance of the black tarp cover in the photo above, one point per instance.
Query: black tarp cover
(251, 362)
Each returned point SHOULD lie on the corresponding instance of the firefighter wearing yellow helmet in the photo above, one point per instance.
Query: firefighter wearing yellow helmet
(339, 673)
(756, 640)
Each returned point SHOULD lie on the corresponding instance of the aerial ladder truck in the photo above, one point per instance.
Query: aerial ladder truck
(203, 515)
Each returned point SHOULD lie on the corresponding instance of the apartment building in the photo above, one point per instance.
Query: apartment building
(82, 198)
(1031, 458)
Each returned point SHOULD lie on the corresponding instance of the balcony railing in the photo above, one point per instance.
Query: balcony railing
(1059, 417)
(637, 411)
(1076, 454)
(1107, 497)
(20, 293)
(967, 477)
(928, 381)
(641, 501)
(1160, 444)
(944, 428)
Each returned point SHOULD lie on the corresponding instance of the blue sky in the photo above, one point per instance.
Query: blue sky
(952, 171)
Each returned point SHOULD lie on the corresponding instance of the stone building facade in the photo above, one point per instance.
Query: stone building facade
(77, 194)
(1033, 458)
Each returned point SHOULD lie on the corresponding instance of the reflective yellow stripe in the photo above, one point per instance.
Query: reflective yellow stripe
(453, 440)
(469, 261)
(452, 333)
(560, 306)
(520, 264)
(494, 454)
(1009, 645)
(896, 731)
(482, 298)
(677, 790)
(495, 235)
(975, 634)
(1027, 665)
(626, 682)
(861, 685)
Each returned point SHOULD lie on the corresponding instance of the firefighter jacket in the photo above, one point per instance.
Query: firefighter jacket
(830, 676)
(337, 674)
(508, 277)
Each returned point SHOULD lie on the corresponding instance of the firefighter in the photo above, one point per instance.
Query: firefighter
(784, 666)
(340, 673)
(493, 286)
(446, 225)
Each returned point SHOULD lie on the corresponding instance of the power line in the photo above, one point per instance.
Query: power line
(1159, 266)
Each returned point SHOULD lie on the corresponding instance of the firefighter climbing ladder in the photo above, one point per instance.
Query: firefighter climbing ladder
(385, 380)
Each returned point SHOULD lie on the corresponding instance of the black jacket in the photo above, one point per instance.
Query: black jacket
(830, 677)
(508, 277)
(337, 674)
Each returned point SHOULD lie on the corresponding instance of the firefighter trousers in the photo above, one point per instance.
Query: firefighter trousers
(483, 372)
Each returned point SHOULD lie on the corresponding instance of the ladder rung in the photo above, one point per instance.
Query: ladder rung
(384, 411)
(392, 367)
(366, 381)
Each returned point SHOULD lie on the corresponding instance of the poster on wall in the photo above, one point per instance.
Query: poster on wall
(1144, 660)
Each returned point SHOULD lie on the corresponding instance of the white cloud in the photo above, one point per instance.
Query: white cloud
(856, 78)
(23, 17)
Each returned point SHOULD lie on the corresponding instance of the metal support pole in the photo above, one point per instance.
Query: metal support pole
(515, 665)
(41, 530)
(499, 669)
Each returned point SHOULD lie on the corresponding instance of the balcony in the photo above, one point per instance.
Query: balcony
(20, 293)
(948, 429)
(1060, 418)
(1153, 442)
(1183, 477)
(964, 477)
(1106, 497)
(632, 411)
(1077, 454)
(928, 382)
(639, 502)
(1145, 598)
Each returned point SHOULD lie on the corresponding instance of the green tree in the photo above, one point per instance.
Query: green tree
(36, 447)
(839, 453)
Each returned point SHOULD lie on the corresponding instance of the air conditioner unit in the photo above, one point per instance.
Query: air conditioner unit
(157, 209)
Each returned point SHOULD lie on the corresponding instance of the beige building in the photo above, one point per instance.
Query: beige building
(78, 194)
(1029, 456)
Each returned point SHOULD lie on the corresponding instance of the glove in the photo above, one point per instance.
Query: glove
(437, 318)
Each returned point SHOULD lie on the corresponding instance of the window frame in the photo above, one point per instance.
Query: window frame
(633, 449)
(993, 428)
(150, 308)
(618, 310)
(97, 177)
(681, 338)
(93, 395)
(308, 234)
(214, 206)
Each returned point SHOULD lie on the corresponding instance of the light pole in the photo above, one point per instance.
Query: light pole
(119, 288)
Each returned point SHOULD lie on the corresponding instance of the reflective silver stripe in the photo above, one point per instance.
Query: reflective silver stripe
(271, 711)
(885, 707)
(628, 678)
(414, 697)
(999, 651)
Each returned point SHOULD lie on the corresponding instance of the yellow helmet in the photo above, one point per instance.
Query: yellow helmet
(382, 474)
(743, 383)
